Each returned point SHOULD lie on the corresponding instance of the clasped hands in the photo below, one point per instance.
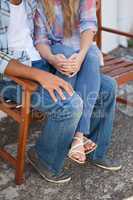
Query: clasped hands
(68, 66)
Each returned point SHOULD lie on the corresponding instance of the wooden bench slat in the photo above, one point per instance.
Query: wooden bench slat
(11, 112)
(8, 157)
(107, 69)
(124, 78)
(107, 56)
(113, 61)
(119, 71)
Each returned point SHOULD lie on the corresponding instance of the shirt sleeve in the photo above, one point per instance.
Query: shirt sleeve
(4, 60)
(87, 14)
(41, 34)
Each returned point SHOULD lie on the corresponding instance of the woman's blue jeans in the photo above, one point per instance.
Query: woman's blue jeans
(86, 83)
(98, 92)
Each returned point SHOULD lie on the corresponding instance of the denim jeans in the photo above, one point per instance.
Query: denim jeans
(57, 133)
(98, 92)
(103, 117)
(86, 83)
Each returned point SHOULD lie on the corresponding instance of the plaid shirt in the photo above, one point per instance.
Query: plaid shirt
(5, 54)
(86, 20)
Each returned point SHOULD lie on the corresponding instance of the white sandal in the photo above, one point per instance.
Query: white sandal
(73, 150)
(88, 141)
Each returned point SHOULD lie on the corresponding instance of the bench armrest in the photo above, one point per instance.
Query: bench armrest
(26, 84)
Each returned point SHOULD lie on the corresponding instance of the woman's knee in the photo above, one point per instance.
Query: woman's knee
(93, 56)
(62, 49)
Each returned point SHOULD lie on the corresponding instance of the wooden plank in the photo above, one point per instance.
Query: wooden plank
(119, 71)
(113, 61)
(12, 113)
(124, 78)
(108, 69)
(8, 157)
(108, 57)
(110, 30)
(27, 84)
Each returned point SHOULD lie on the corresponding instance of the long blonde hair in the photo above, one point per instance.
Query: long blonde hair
(69, 9)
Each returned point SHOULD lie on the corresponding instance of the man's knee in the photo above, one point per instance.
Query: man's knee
(71, 106)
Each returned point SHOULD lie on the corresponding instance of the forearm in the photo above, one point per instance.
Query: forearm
(86, 41)
(45, 52)
(15, 68)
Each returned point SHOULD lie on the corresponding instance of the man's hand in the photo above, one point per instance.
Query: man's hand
(53, 83)
(47, 80)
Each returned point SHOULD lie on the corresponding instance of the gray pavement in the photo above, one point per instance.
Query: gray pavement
(88, 183)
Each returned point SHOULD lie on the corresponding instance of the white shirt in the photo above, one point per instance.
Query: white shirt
(19, 37)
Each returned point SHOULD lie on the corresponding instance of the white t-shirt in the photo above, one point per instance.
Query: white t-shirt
(19, 36)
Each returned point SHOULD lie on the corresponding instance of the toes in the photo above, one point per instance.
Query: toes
(79, 157)
(90, 147)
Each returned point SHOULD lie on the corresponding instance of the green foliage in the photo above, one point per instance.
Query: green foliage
(130, 43)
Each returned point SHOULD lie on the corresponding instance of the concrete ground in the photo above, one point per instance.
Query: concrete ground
(88, 183)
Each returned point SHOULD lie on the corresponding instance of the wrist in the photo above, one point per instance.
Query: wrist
(83, 53)
(36, 74)
(51, 59)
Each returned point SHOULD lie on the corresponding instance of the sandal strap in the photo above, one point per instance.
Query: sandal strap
(75, 146)
(79, 139)
(73, 152)
(88, 141)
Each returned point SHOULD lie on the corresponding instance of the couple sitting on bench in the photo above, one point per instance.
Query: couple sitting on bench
(52, 44)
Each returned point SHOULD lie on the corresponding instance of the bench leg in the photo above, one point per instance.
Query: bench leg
(23, 135)
(124, 101)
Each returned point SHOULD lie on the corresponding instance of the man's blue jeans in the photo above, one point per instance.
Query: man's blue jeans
(99, 98)
(62, 119)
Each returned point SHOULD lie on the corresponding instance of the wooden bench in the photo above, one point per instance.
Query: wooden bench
(117, 68)
(22, 115)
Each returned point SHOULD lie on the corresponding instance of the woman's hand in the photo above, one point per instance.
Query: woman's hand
(58, 61)
(62, 64)
(53, 83)
(73, 64)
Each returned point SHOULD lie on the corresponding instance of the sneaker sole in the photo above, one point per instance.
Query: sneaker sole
(108, 168)
(47, 179)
